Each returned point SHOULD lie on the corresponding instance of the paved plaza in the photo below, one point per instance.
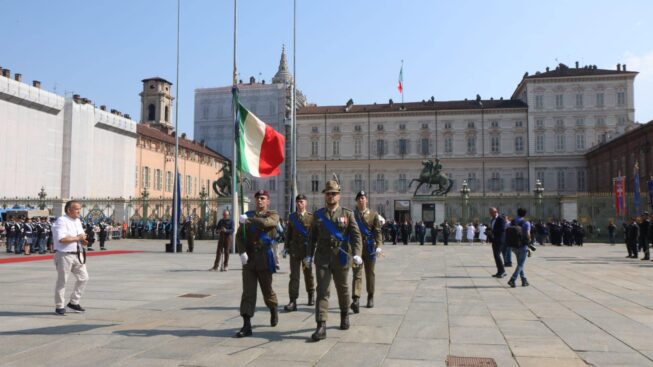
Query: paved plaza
(585, 306)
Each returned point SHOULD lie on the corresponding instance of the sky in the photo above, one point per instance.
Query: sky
(345, 49)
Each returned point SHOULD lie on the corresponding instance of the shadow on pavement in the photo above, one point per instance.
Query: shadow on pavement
(58, 330)
(474, 286)
(24, 313)
(269, 335)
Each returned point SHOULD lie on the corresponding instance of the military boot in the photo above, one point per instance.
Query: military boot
(246, 330)
(311, 298)
(291, 306)
(354, 305)
(274, 316)
(370, 301)
(344, 320)
(320, 332)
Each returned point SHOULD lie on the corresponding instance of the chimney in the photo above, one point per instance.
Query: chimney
(618, 67)
(6, 73)
(252, 80)
(183, 135)
(18, 77)
(76, 98)
(103, 108)
(36, 84)
(576, 64)
(85, 100)
(391, 102)
(624, 68)
(547, 69)
(114, 111)
(263, 81)
(127, 116)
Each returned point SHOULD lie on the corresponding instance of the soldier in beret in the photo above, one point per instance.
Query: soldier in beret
(334, 242)
(297, 235)
(254, 240)
(370, 228)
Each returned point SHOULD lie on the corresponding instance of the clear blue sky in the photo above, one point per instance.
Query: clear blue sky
(345, 49)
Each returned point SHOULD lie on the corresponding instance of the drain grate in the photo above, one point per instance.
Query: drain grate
(453, 361)
(194, 295)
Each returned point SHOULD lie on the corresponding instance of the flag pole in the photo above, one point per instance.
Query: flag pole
(234, 169)
(293, 126)
(402, 83)
(175, 205)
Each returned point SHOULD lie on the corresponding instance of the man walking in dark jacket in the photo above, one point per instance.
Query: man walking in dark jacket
(497, 236)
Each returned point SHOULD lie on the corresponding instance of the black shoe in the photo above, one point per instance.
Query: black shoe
(274, 317)
(502, 275)
(90, 249)
(646, 258)
(524, 282)
(354, 305)
(103, 248)
(370, 301)
(344, 320)
(511, 283)
(60, 311)
(320, 332)
(77, 308)
(311, 298)
(246, 330)
(508, 265)
(291, 306)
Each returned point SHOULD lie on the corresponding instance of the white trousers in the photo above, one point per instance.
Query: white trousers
(66, 264)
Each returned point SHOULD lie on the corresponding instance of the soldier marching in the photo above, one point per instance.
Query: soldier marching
(297, 236)
(370, 227)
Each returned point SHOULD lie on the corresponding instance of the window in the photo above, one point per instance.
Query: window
(539, 143)
(379, 127)
(402, 126)
(315, 130)
(518, 123)
(494, 144)
(621, 98)
(561, 179)
(580, 180)
(471, 181)
(168, 181)
(495, 181)
(425, 146)
(448, 146)
(599, 99)
(315, 183)
(539, 124)
(580, 122)
(158, 178)
(336, 148)
(189, 185)
(447, 125)
(403, 146)
(336, 129)
(560, 143)
(205, 111)
(560, 124)
(425, 126)
(167, 114)
(579, 100)
(471, 144)
(494, 124)
(600, 121)
(314, 148)
(621, 120)
(358, 182)
(559, 101)
(402, 184)
(380, 147)
(519, 144)
(357, 147)
(146, 177)
(580, 141)
(540, 176)
(151, 112)
(539, 102)
(273, 185)
(470, 124)
(520, 182)
(357, 128)
(380, 183)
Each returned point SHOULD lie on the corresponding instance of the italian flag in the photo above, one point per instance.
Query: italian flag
(400, 85)
(260, 147)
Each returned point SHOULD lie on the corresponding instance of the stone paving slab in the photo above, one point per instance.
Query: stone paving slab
(585, 307)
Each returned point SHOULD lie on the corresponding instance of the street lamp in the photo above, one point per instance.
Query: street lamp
(539, 197)
(464, 194)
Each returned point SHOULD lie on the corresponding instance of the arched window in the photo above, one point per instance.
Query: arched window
(167, 114)
(151, 112)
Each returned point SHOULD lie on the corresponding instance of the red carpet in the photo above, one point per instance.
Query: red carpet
(23, 258)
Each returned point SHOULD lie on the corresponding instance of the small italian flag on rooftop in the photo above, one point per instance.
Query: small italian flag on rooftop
(260, 147)
(400, 84)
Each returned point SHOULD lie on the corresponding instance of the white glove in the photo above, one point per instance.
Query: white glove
(308, 261)
(243, 218)
(244, 258)
(378, 251)
(381, 219)
(357, 260)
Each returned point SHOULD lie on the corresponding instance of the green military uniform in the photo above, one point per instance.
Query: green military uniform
(327, 262)
(370, 218)
(297, 247)
(256, 269)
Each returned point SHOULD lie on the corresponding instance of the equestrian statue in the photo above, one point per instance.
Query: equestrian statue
(431, 174)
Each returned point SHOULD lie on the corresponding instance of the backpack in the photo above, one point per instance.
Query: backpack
(514, 235)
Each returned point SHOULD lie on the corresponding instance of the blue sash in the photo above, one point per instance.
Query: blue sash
(300, 227)
(331, 227)
(263, 237)
(371, 250)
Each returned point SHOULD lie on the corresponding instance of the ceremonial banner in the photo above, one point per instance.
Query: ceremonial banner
(636, 197)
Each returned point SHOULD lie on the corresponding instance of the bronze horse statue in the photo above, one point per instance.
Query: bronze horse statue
(431, 175)
(222, 186)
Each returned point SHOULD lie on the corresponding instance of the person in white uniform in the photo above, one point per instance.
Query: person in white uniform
(68, 235)
(482, 236)
(459, 232)
(470, 233)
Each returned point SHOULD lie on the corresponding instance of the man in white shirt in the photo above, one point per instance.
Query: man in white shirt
(68, 235)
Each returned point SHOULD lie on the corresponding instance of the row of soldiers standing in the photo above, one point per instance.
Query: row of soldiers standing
(332, 240)
(27, 235)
